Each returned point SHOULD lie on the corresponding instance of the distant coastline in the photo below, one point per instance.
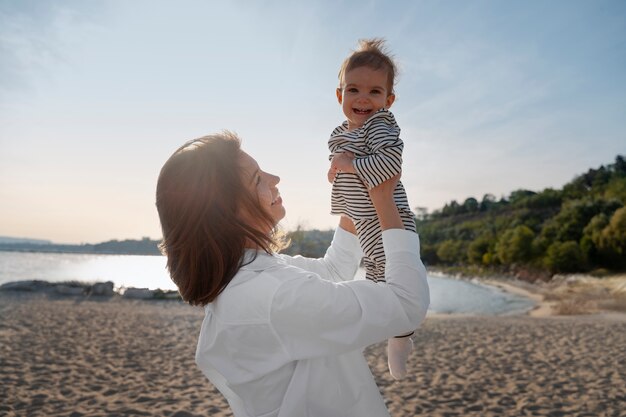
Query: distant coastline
(310, 243)
(144, 246)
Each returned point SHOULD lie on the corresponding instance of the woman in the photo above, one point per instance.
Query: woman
(282, 336)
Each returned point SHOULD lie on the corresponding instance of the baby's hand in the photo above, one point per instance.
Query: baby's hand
(342, 162)
(331, 174)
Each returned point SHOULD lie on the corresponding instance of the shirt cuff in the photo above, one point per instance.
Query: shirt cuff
(400, 240)
(346, 240)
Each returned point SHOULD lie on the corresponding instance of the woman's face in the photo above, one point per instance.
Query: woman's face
(263, 185)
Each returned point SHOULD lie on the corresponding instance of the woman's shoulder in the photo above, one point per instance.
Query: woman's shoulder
(266, 270)
(251, 292)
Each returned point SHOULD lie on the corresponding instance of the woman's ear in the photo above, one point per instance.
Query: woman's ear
(339, 95)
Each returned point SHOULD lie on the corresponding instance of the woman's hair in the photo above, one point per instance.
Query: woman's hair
(371, 53)
(200, 197)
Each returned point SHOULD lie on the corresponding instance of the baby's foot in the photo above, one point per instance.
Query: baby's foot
(398, 350)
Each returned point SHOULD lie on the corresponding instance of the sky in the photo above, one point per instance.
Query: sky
(492, 96)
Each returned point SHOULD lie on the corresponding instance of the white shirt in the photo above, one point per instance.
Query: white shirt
(285, 337)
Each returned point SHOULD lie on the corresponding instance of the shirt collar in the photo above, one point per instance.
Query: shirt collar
(262, 261)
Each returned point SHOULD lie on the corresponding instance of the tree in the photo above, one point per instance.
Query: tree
(429, 254)
(612, 240)
(519, 195)
(488, 202)
(620, 165)
(515, 245)
(451, 251)
(451, 209)
(601, 177)
(309, 243)
(564, 257)
(470, 205)
(481, 246)
(584, 211)
(545, 199)
(616, 190)
(592, 234)
(575, 215)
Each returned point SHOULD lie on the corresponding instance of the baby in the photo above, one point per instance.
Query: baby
(365, 151)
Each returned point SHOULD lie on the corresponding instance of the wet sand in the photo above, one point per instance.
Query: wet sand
(116, 357)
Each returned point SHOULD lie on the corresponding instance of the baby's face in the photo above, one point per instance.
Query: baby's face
(363, 92)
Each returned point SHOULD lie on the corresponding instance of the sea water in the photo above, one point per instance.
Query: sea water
(447, 295)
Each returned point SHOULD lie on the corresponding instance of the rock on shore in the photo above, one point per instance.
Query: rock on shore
(98, 289)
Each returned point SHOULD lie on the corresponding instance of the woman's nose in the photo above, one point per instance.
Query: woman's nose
(275, 179)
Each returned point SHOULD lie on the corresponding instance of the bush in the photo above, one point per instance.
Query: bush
(515, 245)
(452, 251)
(429, 254)
(564, 257)
(480, 247)
(611, 242)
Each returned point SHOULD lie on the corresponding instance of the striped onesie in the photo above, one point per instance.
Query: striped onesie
(378, 156)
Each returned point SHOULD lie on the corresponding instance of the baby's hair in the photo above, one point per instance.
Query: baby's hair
(371, 53)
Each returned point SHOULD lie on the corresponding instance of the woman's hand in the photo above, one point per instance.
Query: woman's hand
(385, 205)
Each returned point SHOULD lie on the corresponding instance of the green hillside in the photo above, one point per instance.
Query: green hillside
(579, 228)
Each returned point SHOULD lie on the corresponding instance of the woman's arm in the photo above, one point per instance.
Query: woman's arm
(385, 205)
(313, 317)
(341, 260)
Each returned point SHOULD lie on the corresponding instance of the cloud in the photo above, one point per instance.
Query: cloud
(32, 38)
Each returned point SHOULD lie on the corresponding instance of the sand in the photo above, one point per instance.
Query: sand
(575, 294)
(115, 357)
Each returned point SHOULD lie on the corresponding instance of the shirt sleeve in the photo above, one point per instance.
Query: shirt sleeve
(340, 262)
(382, 137)
(314, 317)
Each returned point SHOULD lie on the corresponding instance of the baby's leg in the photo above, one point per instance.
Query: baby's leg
(408, 220)
(371, 241)
(398, 350)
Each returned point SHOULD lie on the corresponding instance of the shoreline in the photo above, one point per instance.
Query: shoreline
(541, 308)
(563, 295)
(574, 294)
(567, 295)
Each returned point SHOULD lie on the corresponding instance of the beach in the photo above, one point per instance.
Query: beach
(109, 356)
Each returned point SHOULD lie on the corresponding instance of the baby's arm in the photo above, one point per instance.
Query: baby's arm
(385, 148)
